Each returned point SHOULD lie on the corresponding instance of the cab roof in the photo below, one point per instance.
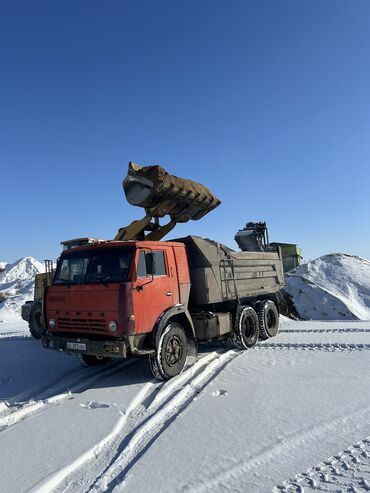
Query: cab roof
(116, 244)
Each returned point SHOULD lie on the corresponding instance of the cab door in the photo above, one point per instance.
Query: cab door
(155, 287)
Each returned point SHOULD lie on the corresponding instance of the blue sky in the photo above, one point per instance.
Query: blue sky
(265, 102)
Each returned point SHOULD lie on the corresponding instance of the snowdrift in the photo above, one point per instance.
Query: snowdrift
(332, 287)
(16, 285)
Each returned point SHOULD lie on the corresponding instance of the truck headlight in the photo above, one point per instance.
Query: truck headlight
(52, 323)
(112, 326)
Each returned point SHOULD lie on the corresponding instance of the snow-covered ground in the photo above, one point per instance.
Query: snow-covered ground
(292, 414)
(332, 287)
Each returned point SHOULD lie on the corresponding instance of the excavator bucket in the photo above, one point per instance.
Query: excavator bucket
(162, 194)
(152, 188)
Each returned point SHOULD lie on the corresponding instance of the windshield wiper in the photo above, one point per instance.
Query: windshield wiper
(103, 280)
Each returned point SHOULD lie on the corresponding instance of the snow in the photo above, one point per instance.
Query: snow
(332, 287)
(17, 286)
(291, 414)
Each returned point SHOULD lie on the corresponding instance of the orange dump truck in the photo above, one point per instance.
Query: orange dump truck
(139, 296)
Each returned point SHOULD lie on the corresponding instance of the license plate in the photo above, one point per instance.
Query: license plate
(76, 345)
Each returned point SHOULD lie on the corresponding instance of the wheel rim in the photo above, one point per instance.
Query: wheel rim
(173, 351)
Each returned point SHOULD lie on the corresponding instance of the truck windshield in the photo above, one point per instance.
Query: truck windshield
(92, 266)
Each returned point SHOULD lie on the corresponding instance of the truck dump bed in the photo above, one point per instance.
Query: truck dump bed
(218, 274)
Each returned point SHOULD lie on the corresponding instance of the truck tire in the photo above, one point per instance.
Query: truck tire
(171, 352)
(36, 320)
(268, 318)
(246, 330)
(91, 360)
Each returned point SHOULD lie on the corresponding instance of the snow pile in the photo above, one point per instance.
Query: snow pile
(16, 285)
(332, 287)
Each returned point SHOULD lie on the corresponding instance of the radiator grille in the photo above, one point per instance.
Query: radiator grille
(90, 324)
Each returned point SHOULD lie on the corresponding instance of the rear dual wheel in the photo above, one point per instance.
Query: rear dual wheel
(268, 318)
(246, 330)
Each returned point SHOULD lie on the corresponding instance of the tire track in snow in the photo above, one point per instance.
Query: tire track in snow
(349, 470)
(324, 331)
(155, 411)
(17, 335)
(50, 396)
(234, 475)
(50, 483)
(163, 415)
(298, 346)
(42, 390)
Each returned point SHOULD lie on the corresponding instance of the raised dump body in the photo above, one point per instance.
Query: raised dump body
(218, 274)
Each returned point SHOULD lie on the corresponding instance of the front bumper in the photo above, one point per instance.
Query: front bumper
(111, 349)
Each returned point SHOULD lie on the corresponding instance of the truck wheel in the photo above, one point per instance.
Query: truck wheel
(91, 360)
(36, 320)
(268, 318)
(170, 353)
(245, 335)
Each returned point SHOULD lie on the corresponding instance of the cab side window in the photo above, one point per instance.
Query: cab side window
(141, 266)
(151, 263)
(160, 265)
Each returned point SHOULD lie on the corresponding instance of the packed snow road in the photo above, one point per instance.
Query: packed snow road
(292, 414)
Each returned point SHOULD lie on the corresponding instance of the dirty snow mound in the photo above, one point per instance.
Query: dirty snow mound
(332, 287)
(16, 285)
